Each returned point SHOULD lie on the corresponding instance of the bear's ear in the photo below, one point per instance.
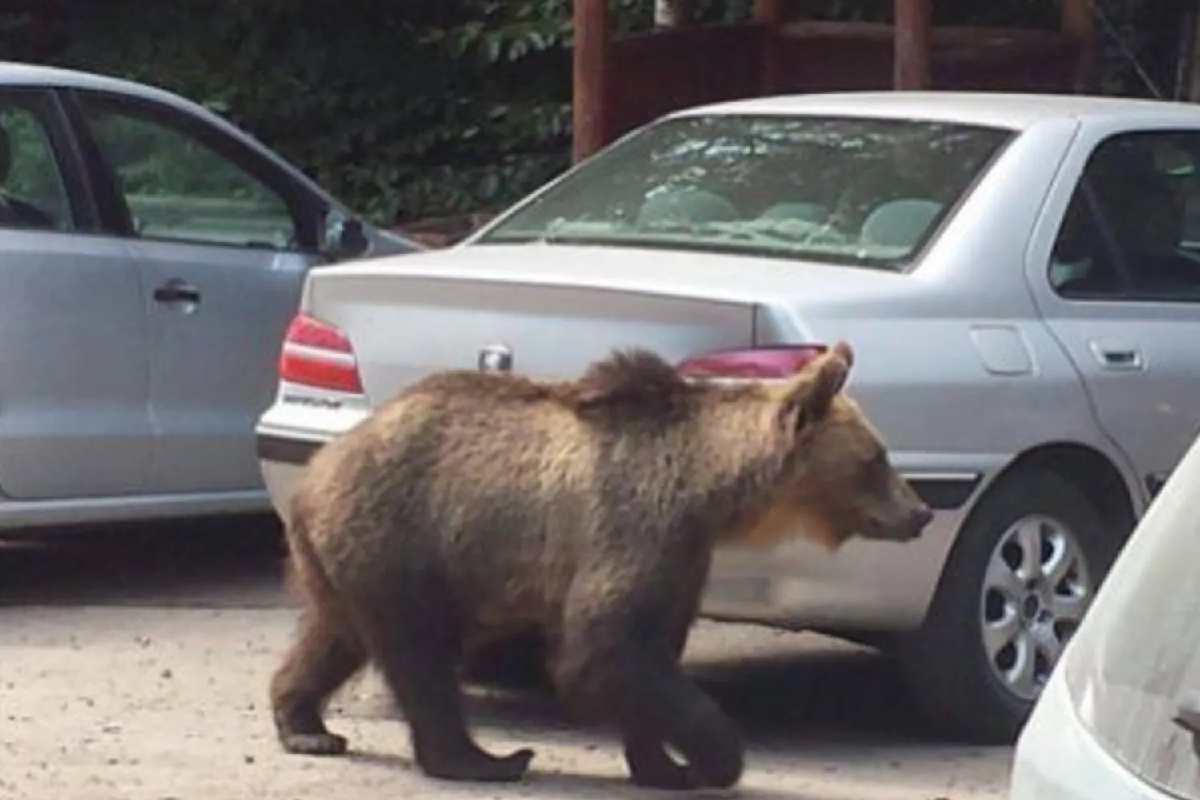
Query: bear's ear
(809, 396)
(843, 350)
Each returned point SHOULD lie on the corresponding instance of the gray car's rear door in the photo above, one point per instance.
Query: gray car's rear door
(219, 240)
(1124, 291)
(73, 361)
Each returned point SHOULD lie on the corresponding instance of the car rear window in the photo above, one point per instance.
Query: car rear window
(843, 190)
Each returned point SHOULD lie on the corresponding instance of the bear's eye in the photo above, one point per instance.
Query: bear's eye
(876, 470)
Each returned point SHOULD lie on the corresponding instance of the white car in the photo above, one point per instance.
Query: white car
(1120, 717)
(1019, 277)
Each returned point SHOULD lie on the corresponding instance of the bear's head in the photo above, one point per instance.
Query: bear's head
(838, 481)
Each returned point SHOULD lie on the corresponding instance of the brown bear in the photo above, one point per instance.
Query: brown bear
(479, 506)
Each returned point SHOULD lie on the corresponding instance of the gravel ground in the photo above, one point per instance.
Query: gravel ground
(134, 664)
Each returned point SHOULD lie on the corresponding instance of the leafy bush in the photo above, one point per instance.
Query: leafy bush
(428, 107)
(403, 110)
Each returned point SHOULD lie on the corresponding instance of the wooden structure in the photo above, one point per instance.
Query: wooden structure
(623, 83)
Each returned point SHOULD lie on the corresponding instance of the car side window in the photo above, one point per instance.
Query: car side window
(177, 187)
(32, 192)
(1132, 229)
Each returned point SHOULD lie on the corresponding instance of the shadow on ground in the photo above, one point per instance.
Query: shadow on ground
(794, 687)
(801, 692)
(544, 782)
(236, 561)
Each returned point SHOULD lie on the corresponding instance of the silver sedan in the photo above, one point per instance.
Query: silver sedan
(1019, 277)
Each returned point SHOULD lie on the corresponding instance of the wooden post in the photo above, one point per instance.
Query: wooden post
(590, 66)
(913, 26)
(1193, 66)
(769, 11)
(1079, 23)
(1184, 55)
(771, 14)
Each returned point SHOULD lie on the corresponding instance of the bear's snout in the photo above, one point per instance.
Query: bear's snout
(921, 516)
(901, 525)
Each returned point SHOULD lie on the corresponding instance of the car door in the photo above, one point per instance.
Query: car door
(1120, 288)
(73, 359)
(222, 241)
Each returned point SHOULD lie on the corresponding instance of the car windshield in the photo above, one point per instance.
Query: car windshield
(862, 192)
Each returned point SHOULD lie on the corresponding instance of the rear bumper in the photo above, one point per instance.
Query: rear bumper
(274, 448)
(283, 457)
(865, 586)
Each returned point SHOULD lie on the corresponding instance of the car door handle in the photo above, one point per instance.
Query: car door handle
(1188, 718)
(177, 291)
(1114, 356)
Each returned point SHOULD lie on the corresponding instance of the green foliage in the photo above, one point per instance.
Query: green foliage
(431, 107)
(403, 110)
(33, 176)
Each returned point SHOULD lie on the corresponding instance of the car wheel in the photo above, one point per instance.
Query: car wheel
(1018, 580)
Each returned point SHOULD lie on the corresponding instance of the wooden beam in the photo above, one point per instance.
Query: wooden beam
(914, 24)
(1079, 23)
(590, 66)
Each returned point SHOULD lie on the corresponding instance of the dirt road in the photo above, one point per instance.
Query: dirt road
(134, 664)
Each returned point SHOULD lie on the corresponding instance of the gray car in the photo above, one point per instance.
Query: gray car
(1019, 277)
(151, 255)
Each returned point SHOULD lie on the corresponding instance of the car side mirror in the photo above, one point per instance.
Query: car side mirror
(341, 237)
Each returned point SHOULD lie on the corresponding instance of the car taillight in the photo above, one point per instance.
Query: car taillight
(316, 353)
(775, 361)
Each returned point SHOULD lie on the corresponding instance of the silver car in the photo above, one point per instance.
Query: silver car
(151, 255)
(1019, 277)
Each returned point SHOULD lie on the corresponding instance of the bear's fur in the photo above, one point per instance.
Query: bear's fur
(478, 506)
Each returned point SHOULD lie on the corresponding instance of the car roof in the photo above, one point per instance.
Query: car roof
(997, 109)
(30, 75)
(17, 74)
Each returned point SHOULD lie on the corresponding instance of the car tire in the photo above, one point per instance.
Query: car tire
(979, 691)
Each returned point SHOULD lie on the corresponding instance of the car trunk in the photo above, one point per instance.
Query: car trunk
(554, 309)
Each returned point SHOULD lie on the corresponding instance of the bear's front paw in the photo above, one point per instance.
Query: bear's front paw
(314, 744)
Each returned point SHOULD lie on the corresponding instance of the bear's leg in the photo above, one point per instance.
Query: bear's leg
(683, 715)
(658, 705)
(418, 660)
(612, 659)
(323, 658)
(645, 752)
(649, 763)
